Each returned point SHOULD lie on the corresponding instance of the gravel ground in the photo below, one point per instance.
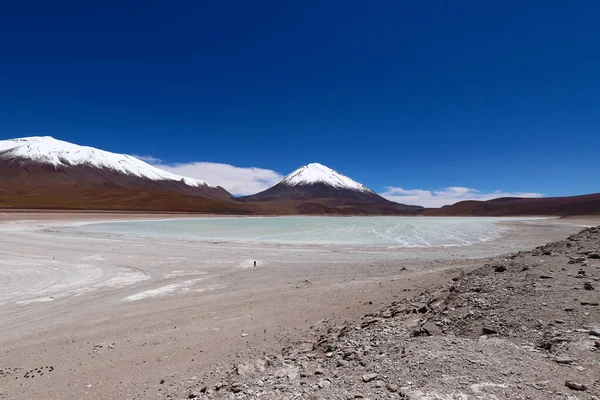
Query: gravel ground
(526, 326)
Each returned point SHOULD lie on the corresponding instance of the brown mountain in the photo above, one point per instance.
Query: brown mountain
(317, 189)
(512, 206)
(47, 173)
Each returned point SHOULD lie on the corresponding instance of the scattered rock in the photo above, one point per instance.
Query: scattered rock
(565, 360)
(489, 330)
(588, 286)
(324, 384)
(575, 385)
(457, 352)
(369, 377)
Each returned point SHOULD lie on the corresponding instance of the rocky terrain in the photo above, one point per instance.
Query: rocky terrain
(524, 326)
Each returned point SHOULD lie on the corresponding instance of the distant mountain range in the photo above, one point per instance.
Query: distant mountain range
(46, 173)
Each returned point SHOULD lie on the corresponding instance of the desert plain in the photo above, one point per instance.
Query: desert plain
(102, 316)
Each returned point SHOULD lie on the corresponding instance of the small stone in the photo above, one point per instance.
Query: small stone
(244, 334)
(369, 377)
(324, 384)
(236, 387)
(162, 381)
(392, 388)
(343, 363)
(565, 360)
(575, 385)
(193, 395)
(432, 329)
(500, 268)
(546, 277)
(489, 330)
(588, 286)
(595, 330)
(595, 256)
(244, 369)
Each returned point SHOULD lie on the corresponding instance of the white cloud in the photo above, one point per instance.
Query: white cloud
(450, 195)
(236, 180)
(245, 181)
(148, 159)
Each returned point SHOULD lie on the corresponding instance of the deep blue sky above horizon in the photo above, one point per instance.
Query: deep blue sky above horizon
(418, 95)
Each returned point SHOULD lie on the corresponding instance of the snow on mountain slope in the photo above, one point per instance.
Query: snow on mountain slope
(47, 150)
(318, 173)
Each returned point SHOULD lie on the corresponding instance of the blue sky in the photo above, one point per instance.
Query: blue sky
(422, 96)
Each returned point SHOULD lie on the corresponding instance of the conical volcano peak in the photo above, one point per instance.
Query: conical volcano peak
(318, 173)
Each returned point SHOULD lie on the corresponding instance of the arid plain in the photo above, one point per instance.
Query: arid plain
(114, 317)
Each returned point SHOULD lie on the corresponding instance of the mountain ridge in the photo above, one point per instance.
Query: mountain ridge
(587, 204)
(41, 172)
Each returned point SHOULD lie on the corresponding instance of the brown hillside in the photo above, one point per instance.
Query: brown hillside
(38, 186)
(511, 206)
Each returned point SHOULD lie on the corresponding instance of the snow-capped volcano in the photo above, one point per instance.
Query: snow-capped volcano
(50, 173)
(58, 153)
(317, 189)
(319, 173)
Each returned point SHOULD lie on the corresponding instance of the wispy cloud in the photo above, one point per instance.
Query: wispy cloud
(148, 159)
(446, 196)
(236, 180)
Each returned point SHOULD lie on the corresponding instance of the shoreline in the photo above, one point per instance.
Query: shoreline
(155, 309)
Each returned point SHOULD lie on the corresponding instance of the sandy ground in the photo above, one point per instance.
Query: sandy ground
(107, 317)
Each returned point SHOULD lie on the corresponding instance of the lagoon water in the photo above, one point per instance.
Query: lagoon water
(346, 231)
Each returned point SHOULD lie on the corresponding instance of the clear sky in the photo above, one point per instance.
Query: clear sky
(401, 96)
